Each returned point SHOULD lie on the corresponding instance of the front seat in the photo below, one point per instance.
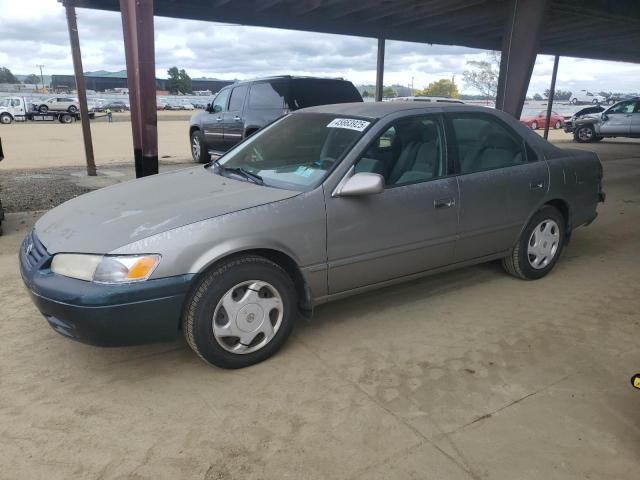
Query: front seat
(421, 161)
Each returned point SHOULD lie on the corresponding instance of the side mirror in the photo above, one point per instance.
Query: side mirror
(208, 108)
(362, 183)
(605, 116)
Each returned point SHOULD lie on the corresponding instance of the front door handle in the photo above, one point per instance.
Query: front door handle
(536, 185)
(444, 203)
(237, 118)
(219, 119)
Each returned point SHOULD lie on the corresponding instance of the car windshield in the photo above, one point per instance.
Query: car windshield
(4, 102)
(296, 152)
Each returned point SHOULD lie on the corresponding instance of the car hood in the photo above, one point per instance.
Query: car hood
(590, 117)
(109, 218)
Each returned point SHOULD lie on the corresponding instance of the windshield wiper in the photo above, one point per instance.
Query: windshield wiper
(243, 172)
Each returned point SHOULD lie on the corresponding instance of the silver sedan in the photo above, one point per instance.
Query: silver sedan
(326, 202)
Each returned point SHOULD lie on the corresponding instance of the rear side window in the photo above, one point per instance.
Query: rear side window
(484, 143)
(265, 95)
(310, 92)
(237, 98)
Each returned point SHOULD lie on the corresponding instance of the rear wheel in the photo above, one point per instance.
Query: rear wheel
(539, 245)
(43, 109)
(241, 313)
(574, 101)
(72, 109)
(6, 119)
(66, 118)
(584, 134)
(199, 150)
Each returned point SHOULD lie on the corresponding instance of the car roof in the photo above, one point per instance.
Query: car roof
(285, 77)
(375, 110)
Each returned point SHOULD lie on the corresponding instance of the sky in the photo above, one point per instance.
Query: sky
(34, 32)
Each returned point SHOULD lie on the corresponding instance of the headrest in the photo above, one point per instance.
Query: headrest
(496, 140)
(429, 132)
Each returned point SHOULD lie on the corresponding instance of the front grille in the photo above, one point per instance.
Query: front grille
(33, 250)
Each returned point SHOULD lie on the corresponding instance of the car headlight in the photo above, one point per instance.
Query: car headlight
(105, 268)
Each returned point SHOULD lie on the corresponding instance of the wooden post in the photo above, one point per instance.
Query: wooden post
(74, 39)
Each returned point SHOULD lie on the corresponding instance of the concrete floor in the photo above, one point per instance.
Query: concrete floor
(470, 374)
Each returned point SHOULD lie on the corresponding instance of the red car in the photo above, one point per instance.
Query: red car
(556, 121)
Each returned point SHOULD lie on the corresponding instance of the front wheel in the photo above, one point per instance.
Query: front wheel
(574, 101)
(199, 150)
(584, 134)
(539, 245)
(5, 119)
(240, 313)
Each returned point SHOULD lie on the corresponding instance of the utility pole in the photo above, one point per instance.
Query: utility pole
(411, 87)
(41, 76)
(74, 39)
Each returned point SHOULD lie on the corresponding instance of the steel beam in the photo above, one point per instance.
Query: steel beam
(137, 26)
(380, 70)
(552, 93)
(520, 44)
(74, 39)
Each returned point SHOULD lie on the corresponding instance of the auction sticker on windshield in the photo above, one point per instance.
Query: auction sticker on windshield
(349, 123)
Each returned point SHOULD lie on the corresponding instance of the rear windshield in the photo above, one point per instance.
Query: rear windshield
(310, 92)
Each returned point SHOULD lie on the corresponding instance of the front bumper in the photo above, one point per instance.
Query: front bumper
(98, 314)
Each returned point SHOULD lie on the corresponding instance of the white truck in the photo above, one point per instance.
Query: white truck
(18, 109)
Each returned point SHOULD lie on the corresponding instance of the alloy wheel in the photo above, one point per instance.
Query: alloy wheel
(543, 244)
(248, 317)
(195, 147)
(585, 134)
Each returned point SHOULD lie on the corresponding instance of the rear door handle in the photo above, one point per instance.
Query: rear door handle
(536, 185)
(237, 118)
(444, 203)
(219, 119)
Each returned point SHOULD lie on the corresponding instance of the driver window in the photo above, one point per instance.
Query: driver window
(622, 107)
(411, 150)
(220, 102)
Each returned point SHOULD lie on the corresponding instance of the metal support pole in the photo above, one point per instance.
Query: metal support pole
(137, 26)
(552, 92)
(380, 70)
(74, 39)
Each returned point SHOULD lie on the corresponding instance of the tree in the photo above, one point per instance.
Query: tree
(538, 97)
(441, 88)
(366, 94)
(483, 76)
(558, 94)
(179, 81)
(388, 92)
(6, 76)
(32, 79)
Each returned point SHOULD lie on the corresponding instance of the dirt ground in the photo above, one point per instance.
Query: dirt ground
(466, 375)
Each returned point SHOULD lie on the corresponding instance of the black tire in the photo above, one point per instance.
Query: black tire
(558, 125)
(197, 319)
(574, 101)
(6, 119)
(584, 134)
(66, 118)
(200, 153)
(43, 109)
(72, 109)
(517, 263)
(534, 125)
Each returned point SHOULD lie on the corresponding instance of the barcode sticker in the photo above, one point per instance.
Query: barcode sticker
(349, 123)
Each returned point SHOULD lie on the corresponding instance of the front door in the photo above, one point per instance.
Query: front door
(232, 118)
(408, 228)
(618, 119)
(501, 183)
(213, 122)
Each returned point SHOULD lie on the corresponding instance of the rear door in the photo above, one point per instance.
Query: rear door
(233, 118)
(213, 122)
(619, 119)
(499, 186)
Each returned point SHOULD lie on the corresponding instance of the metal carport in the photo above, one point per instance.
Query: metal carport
(520, 29)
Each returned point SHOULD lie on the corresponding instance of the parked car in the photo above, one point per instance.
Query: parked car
(619, 120)
(239, 110)
(426, 99)
(539, 121)
(187, 105)
(58, 104)
(568, 124)
(314, 207)
(115, 106)
(584, 96)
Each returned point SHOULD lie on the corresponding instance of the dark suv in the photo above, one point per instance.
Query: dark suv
(241, 109)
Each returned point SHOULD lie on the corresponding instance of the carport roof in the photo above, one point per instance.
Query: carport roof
(602, 29)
